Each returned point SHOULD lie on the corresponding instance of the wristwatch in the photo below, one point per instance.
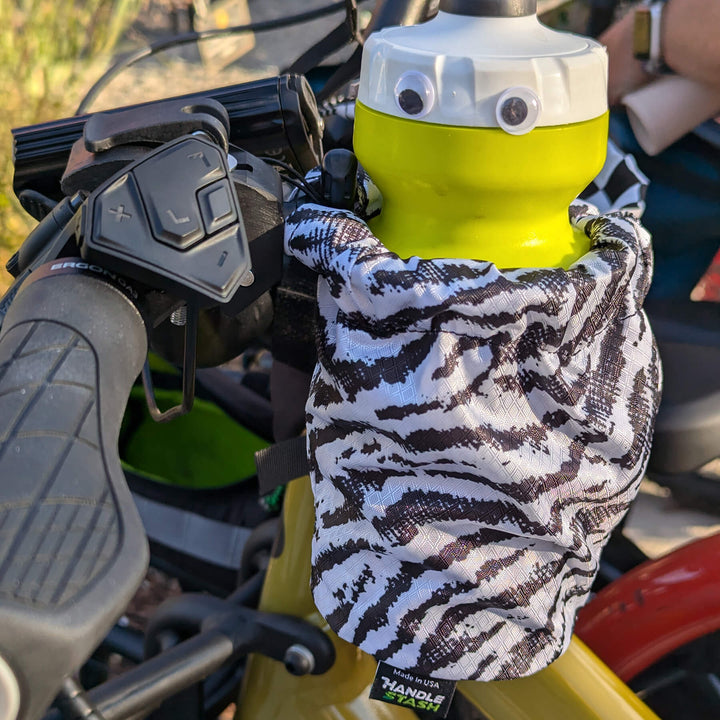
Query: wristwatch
(647, 44)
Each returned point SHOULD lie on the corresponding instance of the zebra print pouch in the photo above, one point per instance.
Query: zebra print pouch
(474, 435)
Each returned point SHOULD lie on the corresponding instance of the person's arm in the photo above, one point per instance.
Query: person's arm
(689, 41)
(625, 73)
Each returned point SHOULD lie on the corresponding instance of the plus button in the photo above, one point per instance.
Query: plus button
(119, 213)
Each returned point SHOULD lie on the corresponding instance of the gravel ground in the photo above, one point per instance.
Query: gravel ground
(657, 524)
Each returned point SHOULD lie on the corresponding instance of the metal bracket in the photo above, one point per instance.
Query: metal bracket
(188, 374)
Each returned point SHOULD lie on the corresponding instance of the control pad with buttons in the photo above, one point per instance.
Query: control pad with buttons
(173, 221)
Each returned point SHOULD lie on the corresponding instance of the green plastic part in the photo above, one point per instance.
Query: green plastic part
(203, 449)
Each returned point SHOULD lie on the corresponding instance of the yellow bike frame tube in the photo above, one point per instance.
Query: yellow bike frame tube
(578, 686)
(269, 691)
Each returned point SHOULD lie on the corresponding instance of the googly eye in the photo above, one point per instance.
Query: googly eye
(518, 110)
(414, 94)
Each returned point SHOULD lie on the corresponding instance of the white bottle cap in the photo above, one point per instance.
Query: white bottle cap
(509, 72)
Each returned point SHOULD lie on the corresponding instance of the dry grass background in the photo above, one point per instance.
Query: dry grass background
(46, 48)
(51, 53)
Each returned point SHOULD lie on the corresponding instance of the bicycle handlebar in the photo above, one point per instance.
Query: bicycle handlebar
(73, 549)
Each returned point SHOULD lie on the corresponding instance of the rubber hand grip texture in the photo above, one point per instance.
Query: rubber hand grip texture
(72, 547)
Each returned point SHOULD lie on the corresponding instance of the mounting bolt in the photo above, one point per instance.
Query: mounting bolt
(299, 660)
(247, 279)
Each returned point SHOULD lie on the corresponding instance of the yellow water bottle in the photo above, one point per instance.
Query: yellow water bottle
(479, 128)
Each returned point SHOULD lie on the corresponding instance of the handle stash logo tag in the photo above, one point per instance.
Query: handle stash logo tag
(429, 696)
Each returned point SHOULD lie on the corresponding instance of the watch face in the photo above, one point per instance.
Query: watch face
(641, 33)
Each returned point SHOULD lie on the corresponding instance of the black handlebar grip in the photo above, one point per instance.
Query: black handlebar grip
(72, 547)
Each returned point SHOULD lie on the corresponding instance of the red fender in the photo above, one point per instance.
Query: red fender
(655, 608)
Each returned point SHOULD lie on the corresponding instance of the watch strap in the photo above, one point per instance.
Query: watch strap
(647, 36)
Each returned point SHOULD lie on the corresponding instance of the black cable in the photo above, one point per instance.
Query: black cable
(186, 38)
(296, 178)
(305, 188)
(285, 166)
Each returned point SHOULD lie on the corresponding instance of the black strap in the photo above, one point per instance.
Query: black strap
(280, 463)
(343, 34)
(293, 347)
(311, 58)
(347, 72)
(293, 341)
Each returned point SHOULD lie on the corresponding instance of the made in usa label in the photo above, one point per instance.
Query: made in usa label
(428, 696)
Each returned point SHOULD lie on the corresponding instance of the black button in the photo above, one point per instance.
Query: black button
(216, 206)
(174, 217)
(216, 266)
(120, 220)
(189, 164)
(173, 212)
(168, 183)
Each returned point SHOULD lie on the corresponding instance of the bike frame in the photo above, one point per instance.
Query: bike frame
(578, 685)
(655, 608)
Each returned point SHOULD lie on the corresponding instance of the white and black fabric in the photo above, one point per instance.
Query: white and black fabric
(474, 435)
(620, 184)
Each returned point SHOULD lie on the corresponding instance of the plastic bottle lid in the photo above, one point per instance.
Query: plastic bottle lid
(510, 72)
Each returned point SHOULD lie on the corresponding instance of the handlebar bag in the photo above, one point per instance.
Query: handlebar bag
(474, 435)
